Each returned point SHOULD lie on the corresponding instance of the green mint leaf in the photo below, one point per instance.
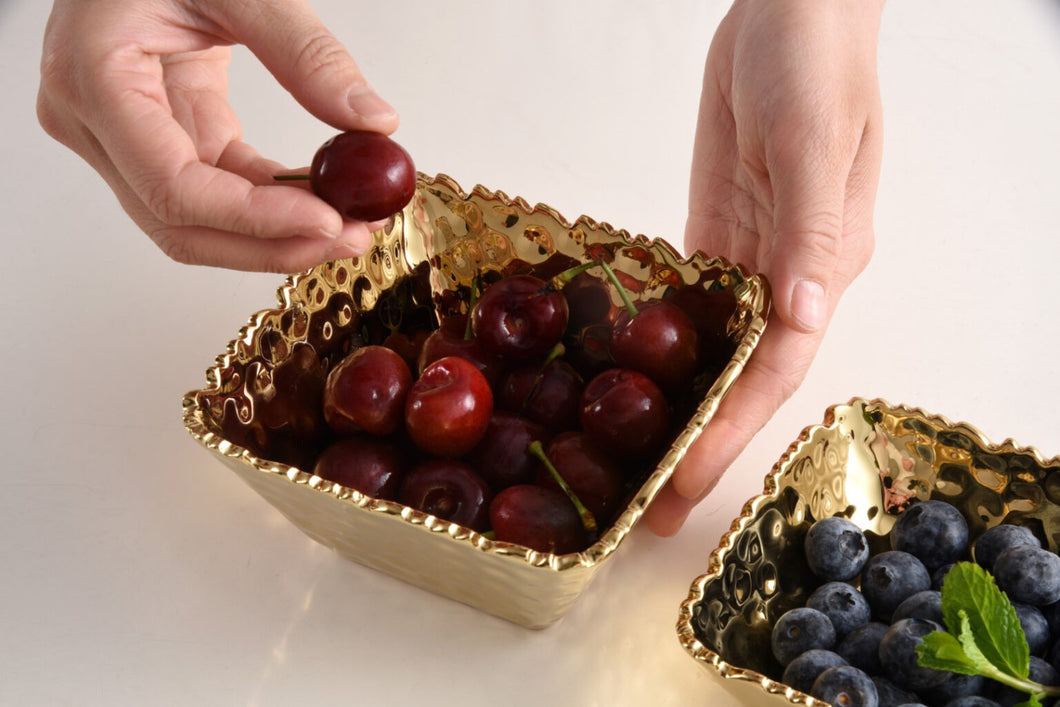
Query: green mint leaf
(942, 651)
(993, 628)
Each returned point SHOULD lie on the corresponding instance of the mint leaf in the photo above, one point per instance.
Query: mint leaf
(989, 619)
(942, 651)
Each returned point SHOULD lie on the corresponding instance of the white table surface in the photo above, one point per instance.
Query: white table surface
(138, 571)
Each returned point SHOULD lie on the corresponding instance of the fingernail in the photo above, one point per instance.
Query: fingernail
(343, 250)
(366, 103)
(808, 304)
(325, 233)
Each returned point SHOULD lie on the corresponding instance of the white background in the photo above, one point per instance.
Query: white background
(138, 571)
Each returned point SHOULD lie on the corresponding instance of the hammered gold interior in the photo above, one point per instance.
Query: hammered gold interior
(424, 260)
(867, 461)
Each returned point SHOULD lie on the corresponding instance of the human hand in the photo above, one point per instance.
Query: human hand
(785, 169)
(138, 88)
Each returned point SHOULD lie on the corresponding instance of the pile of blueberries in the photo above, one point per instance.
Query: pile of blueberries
(854, 642)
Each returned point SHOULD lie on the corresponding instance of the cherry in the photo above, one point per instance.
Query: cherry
(446, 342)
(539, 518)
(365, 175)
(660, 341)
(408, 345)
(548, 394)
(370, 465)
(450, 490)
(588, 300)
(519, 317)
(595, 478)
(366, 391)
(501, 458)
(448, 407)
(625, 413)
(710, 311)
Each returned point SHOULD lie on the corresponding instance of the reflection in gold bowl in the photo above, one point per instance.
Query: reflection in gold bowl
(259, 412)
(867, 461)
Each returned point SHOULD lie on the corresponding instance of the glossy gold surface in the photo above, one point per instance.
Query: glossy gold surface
(868, 460)
(447, 237)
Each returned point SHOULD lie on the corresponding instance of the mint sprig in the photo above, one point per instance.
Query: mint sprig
(984, 635)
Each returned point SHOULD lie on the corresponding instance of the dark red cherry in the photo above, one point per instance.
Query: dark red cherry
(549, 395)
(450, 490)
(594, 477)
(625, 413)
(365, 175)
(448, 407)
(660, 341)
(501, 458)
(366, 391)
(447, 342)
(519, 318)
(367, 464)
(539, 518)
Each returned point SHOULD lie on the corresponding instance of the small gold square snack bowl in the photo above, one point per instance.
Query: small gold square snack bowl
(260, 411)
(867, 461)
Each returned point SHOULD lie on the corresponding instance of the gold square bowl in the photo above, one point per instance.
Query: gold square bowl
(260, 413)
(867, 461)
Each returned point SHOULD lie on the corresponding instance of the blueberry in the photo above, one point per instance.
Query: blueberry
(836, 549)
(940, 574)
(1029, 574)
(972, 701)
(933, 531)
(799, 630)
(861, 647)
(899, 659)
(998, 539)
(843, 604)
(890, 578)
(1035, 627)
(926, 604)
(957, 686)
(1040, 672)
(891, 695)
(847, 686)
(804, 668)
(1052, 615)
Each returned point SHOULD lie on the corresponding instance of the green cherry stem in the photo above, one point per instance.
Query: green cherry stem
(630, 307)
(559, 281)
(588, 520)
(290, 177)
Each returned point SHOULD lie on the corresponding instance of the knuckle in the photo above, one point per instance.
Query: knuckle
(175, 248)
(321, 54)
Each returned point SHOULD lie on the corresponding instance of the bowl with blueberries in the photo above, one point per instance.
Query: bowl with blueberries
(485, 403)
(893, 558)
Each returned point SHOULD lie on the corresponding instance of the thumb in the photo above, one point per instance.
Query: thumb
(306, 58)
(809, 193)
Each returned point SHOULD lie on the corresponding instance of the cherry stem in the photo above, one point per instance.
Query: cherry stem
(472, 298)
(557, 351)
(588, 520)
(630, 307)
(560, 281)
(290, 177)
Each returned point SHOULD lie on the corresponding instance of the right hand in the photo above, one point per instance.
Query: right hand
(138, 89)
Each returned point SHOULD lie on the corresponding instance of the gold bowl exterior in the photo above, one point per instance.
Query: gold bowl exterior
(446, 237)
(867, 461)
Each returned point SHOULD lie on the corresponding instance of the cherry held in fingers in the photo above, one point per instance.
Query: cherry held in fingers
(364, 175)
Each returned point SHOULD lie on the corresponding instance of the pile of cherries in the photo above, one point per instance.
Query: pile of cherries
(531, 413)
